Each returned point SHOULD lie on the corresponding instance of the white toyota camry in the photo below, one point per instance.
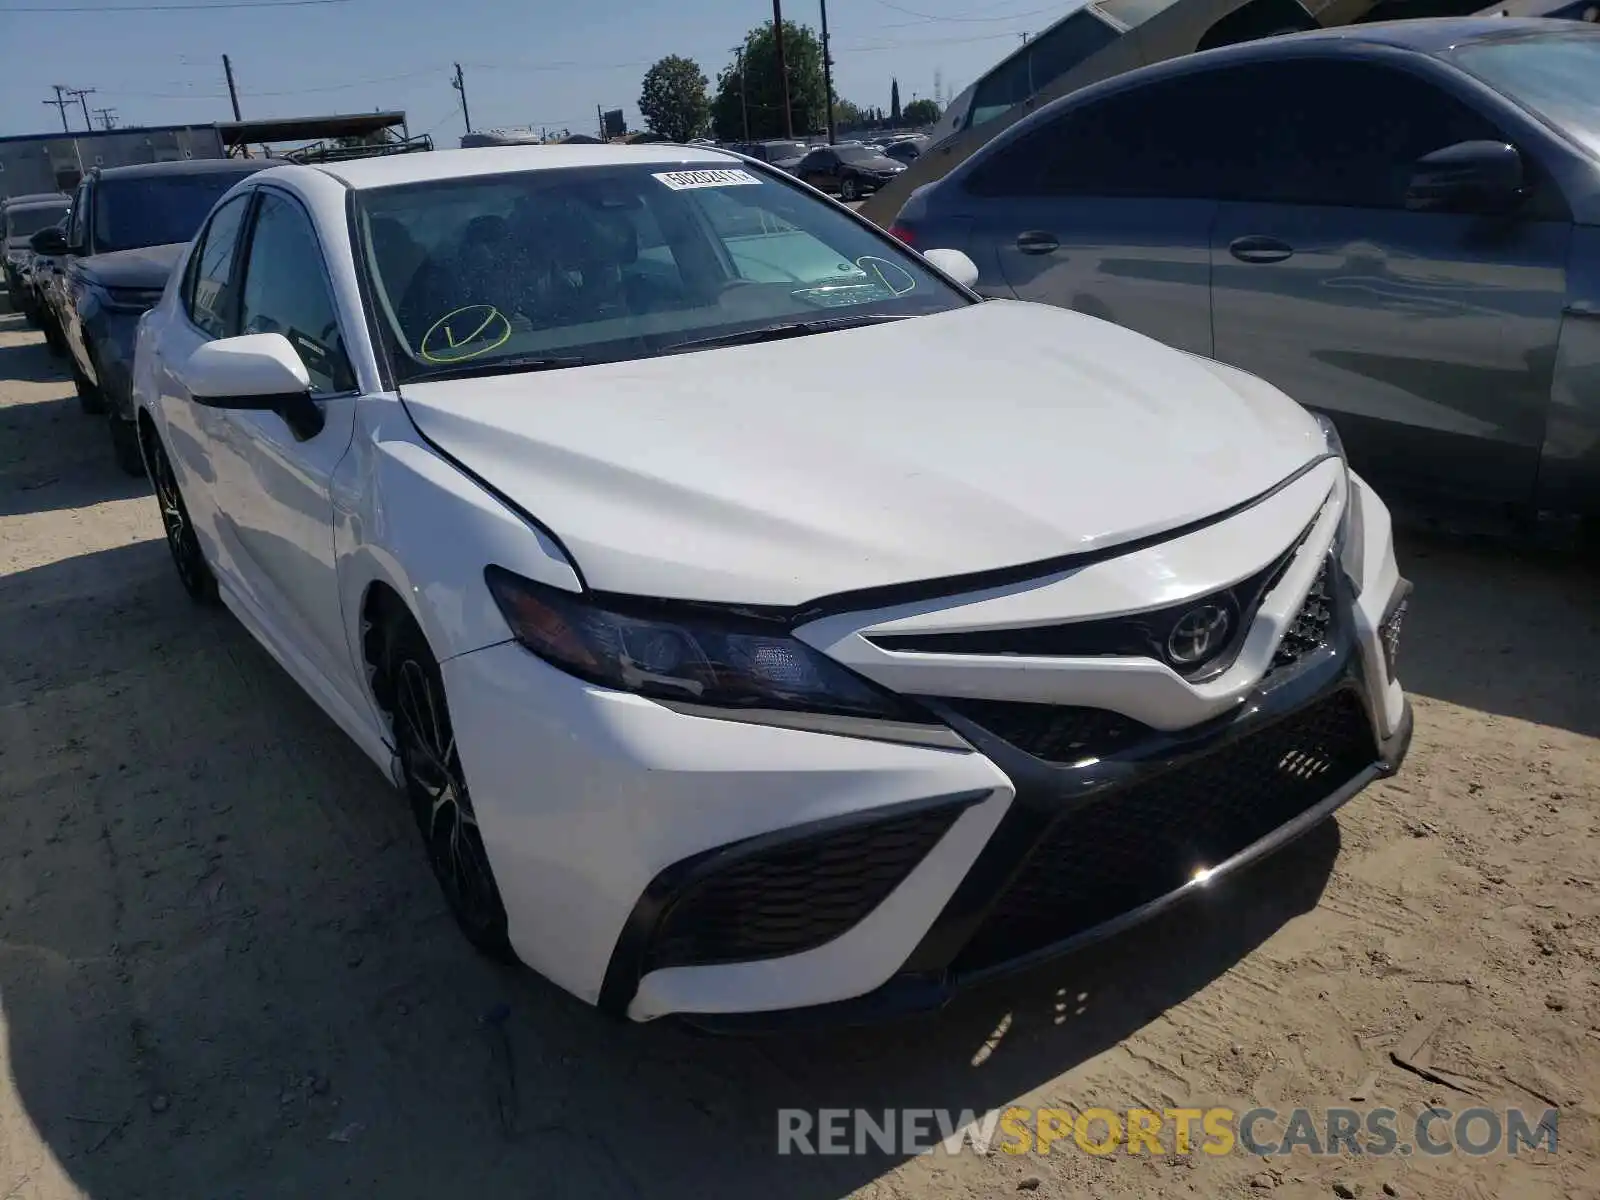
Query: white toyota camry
(761, 626)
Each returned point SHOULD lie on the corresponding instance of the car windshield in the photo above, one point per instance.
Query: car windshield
(24, 222)
(1556, 77)
(619, 262)
(153, 210)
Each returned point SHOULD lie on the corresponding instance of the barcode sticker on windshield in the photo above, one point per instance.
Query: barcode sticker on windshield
(682, 181)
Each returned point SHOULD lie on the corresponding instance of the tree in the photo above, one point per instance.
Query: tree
(673, 100)
(849, 116)
(757, 70)
(894, 102)
(920, 112)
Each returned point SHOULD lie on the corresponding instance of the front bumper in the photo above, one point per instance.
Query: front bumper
(743, 876)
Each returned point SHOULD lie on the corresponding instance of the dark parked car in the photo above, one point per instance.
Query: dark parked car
(785, 155)
(1399, 225)
(20, 218)
(906, 151)
(851, 170)
(128, 227)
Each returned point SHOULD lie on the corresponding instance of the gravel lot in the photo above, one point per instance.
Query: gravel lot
(225, 971)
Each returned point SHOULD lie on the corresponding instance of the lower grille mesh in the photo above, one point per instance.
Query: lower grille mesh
(1055, 733)
(1310, 626)
(1127, 848)
(795, 896)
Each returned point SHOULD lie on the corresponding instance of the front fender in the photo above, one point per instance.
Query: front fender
(407, 518)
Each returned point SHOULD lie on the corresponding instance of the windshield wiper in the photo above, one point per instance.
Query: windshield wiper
(499, 366)
(777, 333)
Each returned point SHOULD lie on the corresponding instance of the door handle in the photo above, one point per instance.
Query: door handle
(1259, 249)
(1037, 241)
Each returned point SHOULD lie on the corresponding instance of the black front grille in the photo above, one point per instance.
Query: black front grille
(1055, 733)
(1310, 627)
(1129, 847)
(794, 896)
(1136, 635)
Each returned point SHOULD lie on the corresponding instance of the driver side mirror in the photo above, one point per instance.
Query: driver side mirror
(50, 240)
(956, 265)
(1484, 177)
(257, 372)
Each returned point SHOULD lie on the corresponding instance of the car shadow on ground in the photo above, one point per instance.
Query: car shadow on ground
(78, 469)
(1502, 628)
(226, 970)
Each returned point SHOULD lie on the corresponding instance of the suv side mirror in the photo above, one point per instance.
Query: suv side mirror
(1468, 177)
(50, 240)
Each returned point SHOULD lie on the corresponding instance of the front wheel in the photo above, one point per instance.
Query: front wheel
(89, 398)
(850, 189)
(437, 787)
(125, 446)
(193, 570)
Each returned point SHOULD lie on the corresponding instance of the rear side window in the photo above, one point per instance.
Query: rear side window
(209, 291)
(1173, 139)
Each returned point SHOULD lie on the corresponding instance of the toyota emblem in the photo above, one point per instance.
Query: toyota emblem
(1199, 634)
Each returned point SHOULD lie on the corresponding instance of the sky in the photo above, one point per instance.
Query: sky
(160, 61)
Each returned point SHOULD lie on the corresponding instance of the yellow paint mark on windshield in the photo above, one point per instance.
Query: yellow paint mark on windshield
(489, 334)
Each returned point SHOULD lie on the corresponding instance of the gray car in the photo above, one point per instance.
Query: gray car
(1397, 224)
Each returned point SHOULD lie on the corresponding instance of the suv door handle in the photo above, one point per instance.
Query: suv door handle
(1037, 241)
(1259, 249)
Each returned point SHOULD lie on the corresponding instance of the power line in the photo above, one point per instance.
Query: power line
(897, 45)
(136, 8)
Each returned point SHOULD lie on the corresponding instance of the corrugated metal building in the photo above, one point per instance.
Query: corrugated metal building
(54, 162)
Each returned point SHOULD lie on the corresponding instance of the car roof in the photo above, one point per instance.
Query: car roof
(1420, 35)
(190, 166)
(392, 169)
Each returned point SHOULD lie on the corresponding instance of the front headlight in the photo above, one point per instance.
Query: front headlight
(1331, 433)
(716, 664)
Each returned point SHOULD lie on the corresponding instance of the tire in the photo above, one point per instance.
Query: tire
(849, 189)
(435, 785)
(52, 337)
(89, 398)
(193, 570)
(125, 445)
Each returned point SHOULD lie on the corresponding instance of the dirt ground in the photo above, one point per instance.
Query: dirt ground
(225, 970)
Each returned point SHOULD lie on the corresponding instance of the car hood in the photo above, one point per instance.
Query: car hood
(146, 267)
(990, 436)
(878, 162)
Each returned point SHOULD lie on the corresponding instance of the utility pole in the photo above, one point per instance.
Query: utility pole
(233, 92)
(744, 103)
(107, 117)
(783, 67)
(827, 70)
(60, 104)
(460, 85)
(600, 120)
(80, 93)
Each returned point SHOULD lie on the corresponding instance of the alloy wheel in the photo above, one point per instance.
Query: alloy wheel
(442, 805)
(193, 572)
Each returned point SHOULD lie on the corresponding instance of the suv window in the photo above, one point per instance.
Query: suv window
(1170, 139)
(286, 291)
(1351, 146)
(1045, 59)
(208, 292)
(77, 225)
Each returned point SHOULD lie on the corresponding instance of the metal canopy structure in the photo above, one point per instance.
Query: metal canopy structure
(237, 135)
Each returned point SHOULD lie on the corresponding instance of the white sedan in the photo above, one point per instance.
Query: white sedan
(761, 626)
